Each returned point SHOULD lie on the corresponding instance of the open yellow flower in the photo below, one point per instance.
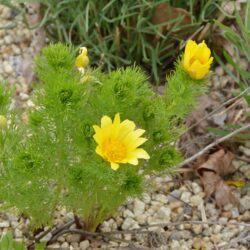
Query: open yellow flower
(196, 59)
(118, 141)
(82, 59)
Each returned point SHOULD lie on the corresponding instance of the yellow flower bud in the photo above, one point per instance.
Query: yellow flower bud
(82, 59)
(197, 60)
(3, 121)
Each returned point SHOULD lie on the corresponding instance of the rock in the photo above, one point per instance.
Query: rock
(245, 202)
(128, 213)
(235, 212)
(179, 235)
(161, 198)
(129, 223)
(23, 96)
(197, 244)
(196, 200)
(219, 71)
(174, 245)
(217, 229)
(73, 238)
(7, 67)
(84, 245)
(141, 219)
(197, 229)
(184, 247)
(65, 245)
(139, 207)
(47, 237)
(185, 196)
(4, 224)
(54, 246)
(18, 233)
(196, 188)
(61, 239)
(244, 64)
(146, 198)
(164, 212)
(175, 204)
(75, 245)
(176, 193)
(8, 39)
(245, 151)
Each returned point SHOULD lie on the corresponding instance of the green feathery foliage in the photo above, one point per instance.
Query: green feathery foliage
(50, 161)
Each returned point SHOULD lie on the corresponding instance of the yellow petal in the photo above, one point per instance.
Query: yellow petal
(99, 151)
(134, 143)
(81, 61)
(114, 166)
(198, 71)
(126, 127)
(191, 46)
(133, 161)
(117, 119)
(83, 51)
(105, 121)
(96, 128)
(141, 154)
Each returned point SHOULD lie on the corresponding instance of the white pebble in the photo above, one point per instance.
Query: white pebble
(84, 245)
(23, 96)
(185, 196)
(127, 213)
(245, 202)
(146, 198)
(7, 67)
(139, 207)
(196, 200)
(4, 224)
(128, 223)
(196, 188)
(164, 212)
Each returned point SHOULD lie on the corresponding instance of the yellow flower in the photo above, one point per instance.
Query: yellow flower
(196, 59)
(82, 59)
(118, 141)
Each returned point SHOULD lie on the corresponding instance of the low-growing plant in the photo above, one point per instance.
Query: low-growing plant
(79, 147)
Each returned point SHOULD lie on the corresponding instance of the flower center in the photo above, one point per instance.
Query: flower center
(114, 150)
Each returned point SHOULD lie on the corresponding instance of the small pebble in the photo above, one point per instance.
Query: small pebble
(84, 245)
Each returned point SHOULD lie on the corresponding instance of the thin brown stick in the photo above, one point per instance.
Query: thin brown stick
(229, 101)
(142, 231)
(242, 158)
(215, 143)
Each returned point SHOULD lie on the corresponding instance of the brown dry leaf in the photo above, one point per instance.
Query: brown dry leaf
(164, 13)
(211, 172)
(223, 194)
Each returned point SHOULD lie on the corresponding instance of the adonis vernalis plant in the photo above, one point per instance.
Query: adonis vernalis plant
(91, 137)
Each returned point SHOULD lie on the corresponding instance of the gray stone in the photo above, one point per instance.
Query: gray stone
(84, 245)
(139, 207)
(196, 188)
(196, 200)
(179, 235)
(245, 202)
(4, 224)
(164, 212)
(185, 196)
(128, 223)
(24, 97)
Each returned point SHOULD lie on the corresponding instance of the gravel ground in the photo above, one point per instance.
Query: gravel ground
(173, 202)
